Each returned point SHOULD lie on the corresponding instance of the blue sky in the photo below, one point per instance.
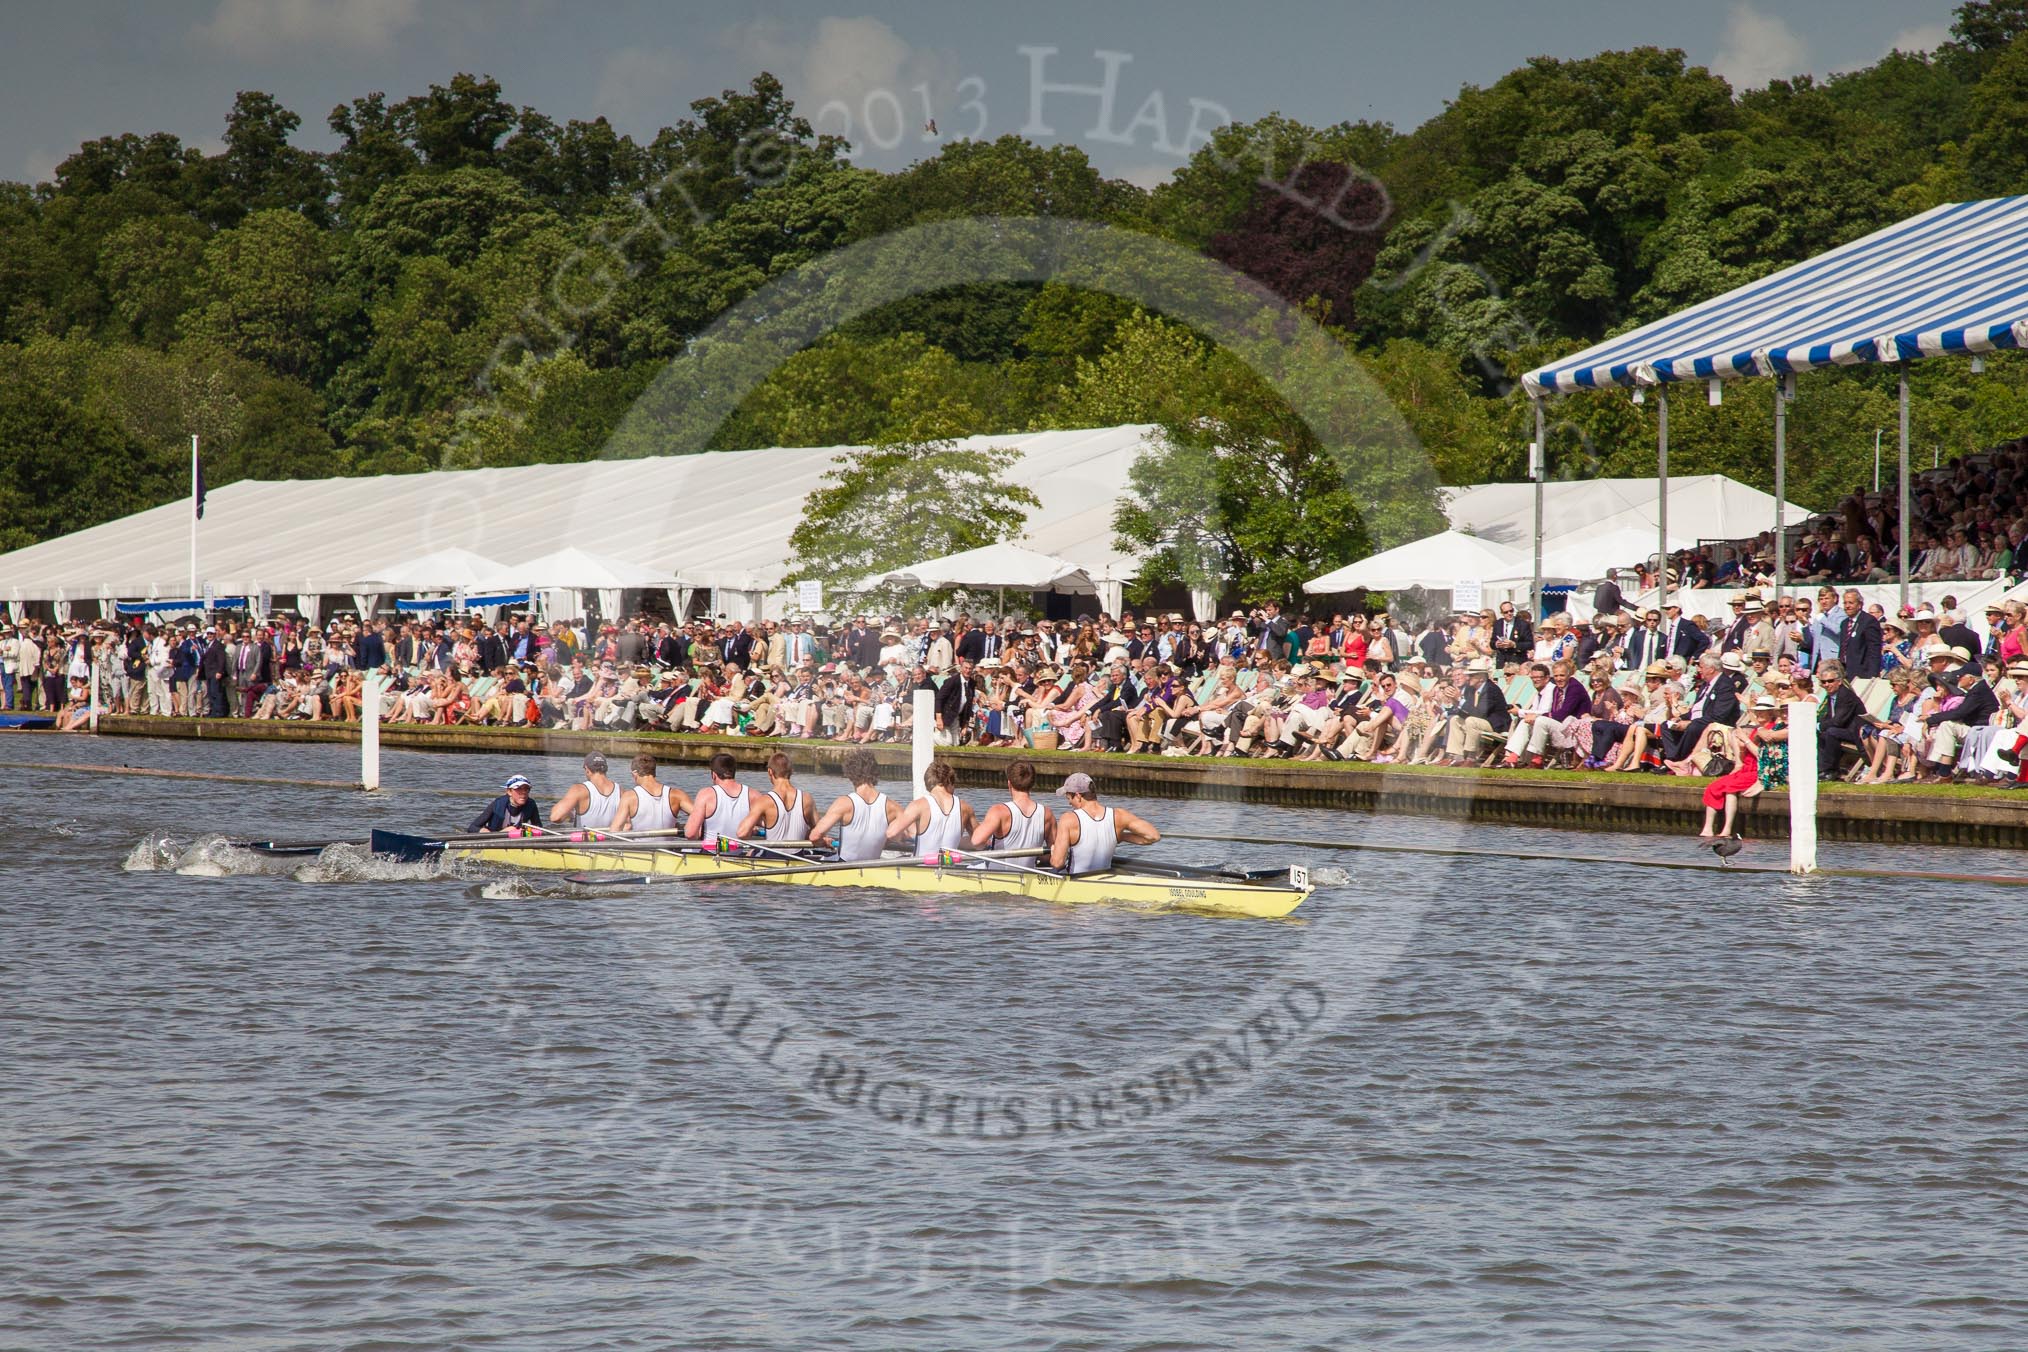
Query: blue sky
(96, 67)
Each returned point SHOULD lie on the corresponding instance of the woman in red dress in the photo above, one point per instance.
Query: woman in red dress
(1743, 780)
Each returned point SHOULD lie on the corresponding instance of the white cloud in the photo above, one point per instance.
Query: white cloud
(1921, 39)
(39, 166)
(258, 28)
(1149, 176)
(638, 89)
(1757, 48)
(838, 63)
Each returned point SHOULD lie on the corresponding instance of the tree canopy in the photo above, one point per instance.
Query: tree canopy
(466, 281)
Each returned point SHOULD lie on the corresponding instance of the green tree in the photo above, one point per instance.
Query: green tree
(887, 506)
(258, 290)
(147, 266)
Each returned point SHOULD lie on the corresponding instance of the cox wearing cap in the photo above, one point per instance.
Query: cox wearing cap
(1087, 834)
(513, 810)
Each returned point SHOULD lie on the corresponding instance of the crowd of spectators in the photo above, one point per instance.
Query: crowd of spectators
(1921, 696)
(1970, 523)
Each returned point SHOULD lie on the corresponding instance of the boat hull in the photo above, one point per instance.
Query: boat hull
(1208, 895)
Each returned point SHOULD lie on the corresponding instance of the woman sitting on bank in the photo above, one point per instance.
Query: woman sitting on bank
(1742, 746)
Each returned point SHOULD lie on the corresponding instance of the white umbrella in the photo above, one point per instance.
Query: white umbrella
(1002, 567)
(580, 570)
(444, 570)
(1436, 562)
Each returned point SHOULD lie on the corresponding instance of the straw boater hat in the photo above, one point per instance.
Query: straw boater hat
(1300, 669)
(1482, 665)
(1659, 670)
(1898, 625)
(1731, 662)
(1766, 703)
(1754, 606)
(1408, 683)
(2017, 668)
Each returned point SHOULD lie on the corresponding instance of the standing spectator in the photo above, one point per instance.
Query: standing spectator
(1859, 639)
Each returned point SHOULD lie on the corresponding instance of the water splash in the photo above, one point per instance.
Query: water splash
(216, 856)
(1330, 877)
(347, 862)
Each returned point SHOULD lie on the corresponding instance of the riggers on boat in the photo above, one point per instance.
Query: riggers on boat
(1265, 894)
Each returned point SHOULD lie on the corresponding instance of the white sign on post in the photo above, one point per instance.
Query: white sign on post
(1467, 595)
(265, 602)
(458, 601)
(210, 596)
(809, 597)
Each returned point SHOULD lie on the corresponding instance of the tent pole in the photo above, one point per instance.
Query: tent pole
(1537, 470)
(1781, 482)
(1662, 493)
(1901, 525)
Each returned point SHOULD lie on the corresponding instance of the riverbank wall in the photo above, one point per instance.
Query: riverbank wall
(1931, 815)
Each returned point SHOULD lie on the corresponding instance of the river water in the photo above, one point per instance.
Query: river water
(1456, 1100)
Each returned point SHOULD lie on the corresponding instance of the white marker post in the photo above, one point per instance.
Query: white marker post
(369, 731)
(922, 745)
(1803, 787)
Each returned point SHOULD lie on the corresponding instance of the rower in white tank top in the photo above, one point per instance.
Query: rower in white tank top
(1096, 840)
(729, 811)
(945, 830)
(600, 809)
(1023, 833)
(789, 823)
(865, 836)
(652, 811)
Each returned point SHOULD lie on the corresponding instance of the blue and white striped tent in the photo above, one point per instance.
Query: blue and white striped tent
(1954, 279)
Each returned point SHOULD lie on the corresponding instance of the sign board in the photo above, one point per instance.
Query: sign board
(712, 610)
(1467, 595)
(458, 600)
(210, 596)
(809, 597)
(265, 602)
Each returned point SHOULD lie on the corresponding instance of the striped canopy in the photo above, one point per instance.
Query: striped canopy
(1954, 279)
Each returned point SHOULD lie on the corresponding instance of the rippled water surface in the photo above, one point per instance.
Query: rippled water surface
(1459, 1100)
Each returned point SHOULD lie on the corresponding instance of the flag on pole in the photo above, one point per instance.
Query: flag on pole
(197, 477)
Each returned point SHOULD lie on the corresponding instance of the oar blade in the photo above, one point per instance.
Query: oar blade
(405, 849)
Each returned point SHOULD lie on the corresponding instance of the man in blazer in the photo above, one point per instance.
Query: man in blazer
(1480, 715)
(1513, 635)
(1948, 726)
(955, 700)
(736, 646)
(1682, 638)
(251, 672)
(1716, 703)
(371, 652)
(1859, 639)
(1646, 644)
(1840, 716)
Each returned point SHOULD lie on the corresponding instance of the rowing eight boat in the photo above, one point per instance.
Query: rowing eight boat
(1150, 886)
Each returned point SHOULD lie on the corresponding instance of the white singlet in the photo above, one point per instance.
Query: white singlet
(651, 811)
(1023, 833)
(600, 810)
(789, 823)
(865, 836)
(1093, 848)
(945, 830)
(728, 814)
